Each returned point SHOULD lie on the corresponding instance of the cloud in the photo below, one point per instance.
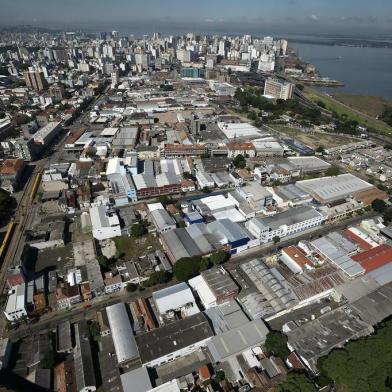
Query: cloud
(211, 20)
(358, 19)
(313, 18)
(290, 19)
(353, 19)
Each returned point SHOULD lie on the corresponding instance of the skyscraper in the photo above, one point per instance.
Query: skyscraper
(35, 80)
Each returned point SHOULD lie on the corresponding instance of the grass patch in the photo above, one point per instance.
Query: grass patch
(339, 108)
(313, 139)
(136, 247)
(371, 106)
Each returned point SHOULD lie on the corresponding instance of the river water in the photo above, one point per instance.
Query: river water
(363, 70)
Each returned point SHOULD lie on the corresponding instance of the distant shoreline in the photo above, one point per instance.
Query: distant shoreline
(359, 43)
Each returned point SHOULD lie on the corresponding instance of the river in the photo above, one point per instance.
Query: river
(363, 70)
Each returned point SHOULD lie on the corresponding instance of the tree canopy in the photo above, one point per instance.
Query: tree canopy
(332, 171)
(297, 382)
(7, 205)
(157, 277)
(187, 268)
(138, 230)
(219, 257)
(362, 365)
(276, 344)
(379, 205)
(239, 161)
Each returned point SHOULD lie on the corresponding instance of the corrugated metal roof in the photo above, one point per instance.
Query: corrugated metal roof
(122, 333)
(337, 256)
(237, 340)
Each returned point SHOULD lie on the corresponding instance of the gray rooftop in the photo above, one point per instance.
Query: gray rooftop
(226, 316)
(329, 189)
(162, 219)
(122, 333)
(338, 256)
(237, 340)
(271, 284)
(219, 281)
(136, 380)
(289, 217)
(173, 337)
(318, 337)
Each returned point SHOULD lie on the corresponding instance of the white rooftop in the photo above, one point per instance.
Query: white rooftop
(239, 130)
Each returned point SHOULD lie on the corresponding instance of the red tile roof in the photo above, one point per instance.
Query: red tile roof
(374, 258)
(204, 373)
(11, 166)
(297, 255)
(360, 241)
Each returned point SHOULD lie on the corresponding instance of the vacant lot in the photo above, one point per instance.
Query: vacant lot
(372, 106)
(314, 139)
(340, 108)
(133, 248)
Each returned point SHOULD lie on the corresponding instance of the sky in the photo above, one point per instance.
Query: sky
(354, 17)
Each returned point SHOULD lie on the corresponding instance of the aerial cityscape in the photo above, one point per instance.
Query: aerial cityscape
(196, 209)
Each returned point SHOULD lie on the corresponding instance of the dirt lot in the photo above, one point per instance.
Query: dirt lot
(133, 248)
(315, 139)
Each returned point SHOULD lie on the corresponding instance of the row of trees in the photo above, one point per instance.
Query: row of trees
(7, 206)
(188, 267)
(253, 98)
(382, 207)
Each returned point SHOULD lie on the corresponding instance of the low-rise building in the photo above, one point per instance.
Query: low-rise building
(284, 224)
(15, 308)
(174, 340)
(175, 299)
(105, 225)
(214, 287)
(10, 174)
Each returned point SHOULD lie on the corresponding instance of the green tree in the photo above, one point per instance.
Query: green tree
(138, 230)
(164, 199)
(158, 277)
(48, 361)
(103, 262)
(7, 206)
(219, 257)
(181, 224)
(187, 268)
(94, 330)
(276, 239)
(379, 205)
(205, 264)
(362, 365)
(91, 152)
(332, 171)
(131, 287)
(297, 382)
(239, 161)
(219, 376)
(276, 344)
(320, 150)
(188, 176)
(387, 216)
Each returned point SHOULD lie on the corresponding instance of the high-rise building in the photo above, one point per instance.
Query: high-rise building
(35, 80)
(60, 55)
(56, 92)
(114, 77)
(279, 90)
